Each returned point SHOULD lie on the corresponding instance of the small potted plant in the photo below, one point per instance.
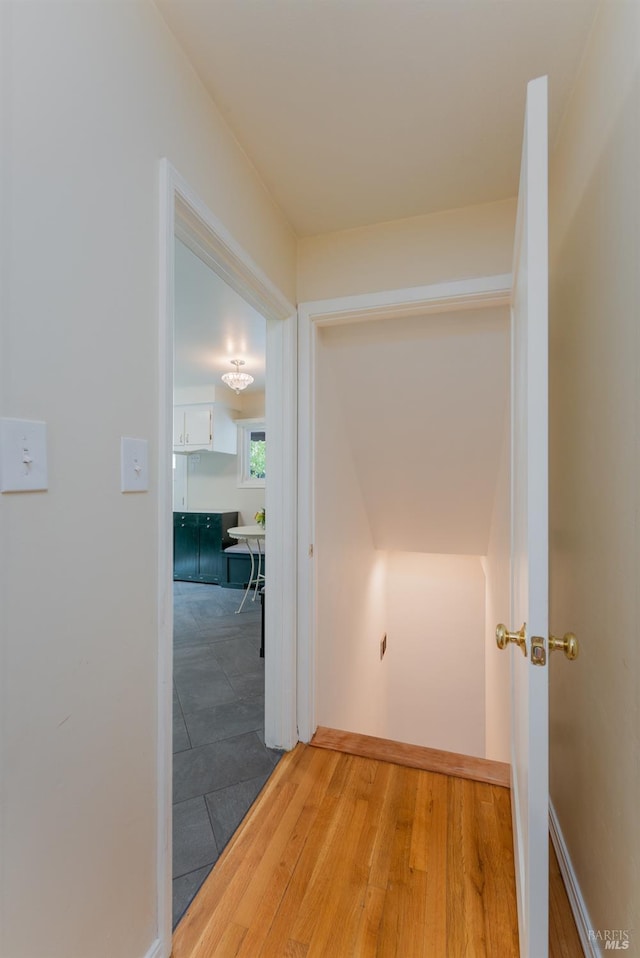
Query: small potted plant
(260, 518)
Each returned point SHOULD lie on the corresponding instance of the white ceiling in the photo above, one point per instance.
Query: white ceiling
(361, 111)
(424, 403)
(213, 325)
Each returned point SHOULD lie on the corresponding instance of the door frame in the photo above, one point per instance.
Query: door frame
(182, 214)
(475, 293)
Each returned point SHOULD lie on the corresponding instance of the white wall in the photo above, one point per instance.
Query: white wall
(435, 652)
(595, 467)
(213, 485)
(455, 244)
(351, 583)
(496, 566)
(93, 95)
(423, 400)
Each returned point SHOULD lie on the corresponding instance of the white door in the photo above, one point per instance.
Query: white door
(530, 536)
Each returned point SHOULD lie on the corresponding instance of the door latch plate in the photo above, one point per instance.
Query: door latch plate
(538, 651)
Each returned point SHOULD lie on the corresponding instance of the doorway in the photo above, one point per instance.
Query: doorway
(220, 760)
(381, 551)
(185, 219)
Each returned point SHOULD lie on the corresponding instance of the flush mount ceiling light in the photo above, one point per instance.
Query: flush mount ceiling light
(237, 380)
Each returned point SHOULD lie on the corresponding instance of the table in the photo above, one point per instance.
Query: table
(251, 534)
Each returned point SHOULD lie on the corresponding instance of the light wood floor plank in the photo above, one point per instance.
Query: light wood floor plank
(366, 941)
(320, 900)
(280, 845)
(288, 910)
(393, 931)
(349, 857)
(294, 949)
(262, 896)
(430, 855)
(336, 925)
(412, 914)
(382, 843)
(230, 942)
(465, 914)
(377, 797)
(500, 917)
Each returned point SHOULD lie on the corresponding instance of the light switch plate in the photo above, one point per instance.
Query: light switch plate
(23, 455)
(134, 465)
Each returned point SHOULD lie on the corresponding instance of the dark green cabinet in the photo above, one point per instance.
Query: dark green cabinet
(185, 547)
(236, 568)
(199, 539)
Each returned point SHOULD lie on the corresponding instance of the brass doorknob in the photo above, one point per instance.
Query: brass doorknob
(567, 644)
(503, 637)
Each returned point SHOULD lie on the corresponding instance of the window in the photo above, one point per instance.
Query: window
(252, 448)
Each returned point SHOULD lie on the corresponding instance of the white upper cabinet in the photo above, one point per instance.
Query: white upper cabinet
(204, 427)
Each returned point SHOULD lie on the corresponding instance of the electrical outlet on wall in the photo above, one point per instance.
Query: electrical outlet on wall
(383, 645)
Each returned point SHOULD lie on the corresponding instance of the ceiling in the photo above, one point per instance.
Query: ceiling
(213, 325)
(424, 402)
(360, 111)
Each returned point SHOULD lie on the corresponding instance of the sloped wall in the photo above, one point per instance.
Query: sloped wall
(351, 580)
(423, 400)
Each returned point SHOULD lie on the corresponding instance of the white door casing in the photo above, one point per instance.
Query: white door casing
(529, 532)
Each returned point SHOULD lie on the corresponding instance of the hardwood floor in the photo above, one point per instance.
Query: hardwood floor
(347, 856)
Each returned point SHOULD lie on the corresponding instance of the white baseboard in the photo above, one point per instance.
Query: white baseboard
(578, 906)
(156, 950)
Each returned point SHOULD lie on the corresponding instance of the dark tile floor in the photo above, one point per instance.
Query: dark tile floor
(220, 762)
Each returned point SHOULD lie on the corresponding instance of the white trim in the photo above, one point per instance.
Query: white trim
(484, 291)
(280, 726)
(245, 428)
(577, 902)
(165, 548)
(207, 236)
(183, 214)
(156, 950)
(306, 705)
